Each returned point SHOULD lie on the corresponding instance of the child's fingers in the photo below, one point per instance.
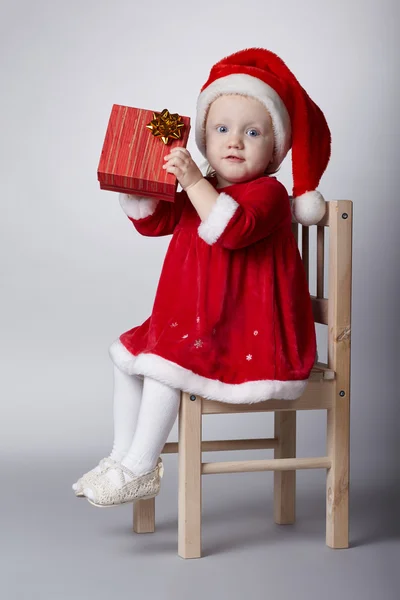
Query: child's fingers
(174, 160)
(172, 169)
(177, 151)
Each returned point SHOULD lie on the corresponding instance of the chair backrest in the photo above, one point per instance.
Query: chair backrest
(333, 310)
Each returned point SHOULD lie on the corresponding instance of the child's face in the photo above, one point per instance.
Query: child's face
(238, 126)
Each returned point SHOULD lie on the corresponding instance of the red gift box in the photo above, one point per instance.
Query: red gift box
(132, 156)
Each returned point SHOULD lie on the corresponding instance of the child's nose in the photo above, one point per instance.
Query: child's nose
(235, 141)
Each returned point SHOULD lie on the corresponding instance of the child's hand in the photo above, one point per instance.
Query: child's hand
(180, 163)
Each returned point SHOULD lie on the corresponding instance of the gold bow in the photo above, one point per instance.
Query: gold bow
(165, 126)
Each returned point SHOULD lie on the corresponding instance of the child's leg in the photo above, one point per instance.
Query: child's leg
(126, 404)
(128, 391)
(158, 412)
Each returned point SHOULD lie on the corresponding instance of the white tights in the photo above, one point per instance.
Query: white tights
(144, 413)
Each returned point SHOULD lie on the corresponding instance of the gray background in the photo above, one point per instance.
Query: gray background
(75, 274)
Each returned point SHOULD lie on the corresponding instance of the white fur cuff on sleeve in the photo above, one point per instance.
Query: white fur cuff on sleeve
(137, 207)
(219, 217)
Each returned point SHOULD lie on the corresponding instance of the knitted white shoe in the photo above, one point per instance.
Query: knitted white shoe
(88, 478)
(105, 493)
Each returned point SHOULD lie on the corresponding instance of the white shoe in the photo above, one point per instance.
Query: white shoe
(91, 476)
(103, 492)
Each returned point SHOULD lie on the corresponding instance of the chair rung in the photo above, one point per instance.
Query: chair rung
(275, 464)
(219, 445)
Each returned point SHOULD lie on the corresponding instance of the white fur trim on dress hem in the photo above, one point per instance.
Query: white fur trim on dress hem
(137, 207)
(172, 374)
(219, 217)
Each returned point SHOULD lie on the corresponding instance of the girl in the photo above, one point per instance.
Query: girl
(232, 318)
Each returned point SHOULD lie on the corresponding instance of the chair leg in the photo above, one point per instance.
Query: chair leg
(144, 516)
(285, 481)
(337, 480)
(189, 460)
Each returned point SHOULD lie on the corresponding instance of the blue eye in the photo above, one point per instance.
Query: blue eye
(255, 132)
(221, 127)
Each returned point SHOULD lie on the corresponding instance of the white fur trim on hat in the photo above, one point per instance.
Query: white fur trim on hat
(221, 213)
(247, 85)
(137, 207)
(309, 208)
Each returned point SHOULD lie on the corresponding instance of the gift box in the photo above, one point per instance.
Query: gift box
(135, 144)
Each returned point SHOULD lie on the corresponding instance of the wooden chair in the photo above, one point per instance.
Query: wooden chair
(328, 389)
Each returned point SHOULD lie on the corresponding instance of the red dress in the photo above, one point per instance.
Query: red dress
(232, 317)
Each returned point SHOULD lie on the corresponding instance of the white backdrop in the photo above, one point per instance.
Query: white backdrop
(74, 272)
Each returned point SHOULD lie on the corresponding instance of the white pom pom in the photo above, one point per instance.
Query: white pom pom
(309, 208)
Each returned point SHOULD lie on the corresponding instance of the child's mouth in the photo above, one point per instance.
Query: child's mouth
(235, 158)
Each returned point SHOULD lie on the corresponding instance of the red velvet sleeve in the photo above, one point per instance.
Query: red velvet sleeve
(155, 217)
(262, 209)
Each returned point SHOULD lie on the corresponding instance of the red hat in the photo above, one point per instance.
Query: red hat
(297, 121)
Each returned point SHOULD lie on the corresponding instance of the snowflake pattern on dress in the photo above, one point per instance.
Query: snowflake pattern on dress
(249, 357)
(174, 324)
(198, 344)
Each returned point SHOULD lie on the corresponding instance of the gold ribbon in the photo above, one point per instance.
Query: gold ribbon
(165, 126)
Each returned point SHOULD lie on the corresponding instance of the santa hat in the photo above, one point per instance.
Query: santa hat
(298, 123)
